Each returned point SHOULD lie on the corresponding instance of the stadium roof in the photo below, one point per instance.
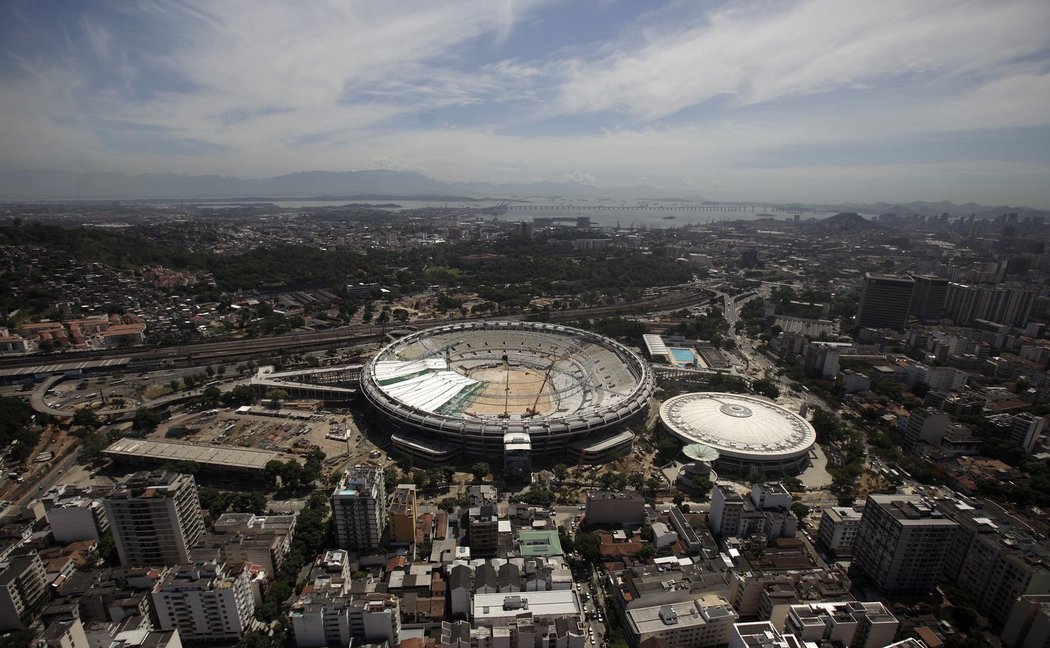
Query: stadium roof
(737, 425)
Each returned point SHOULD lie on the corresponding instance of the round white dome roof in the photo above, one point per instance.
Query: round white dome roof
(738, 425)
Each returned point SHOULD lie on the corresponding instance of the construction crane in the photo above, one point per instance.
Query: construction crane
(539, 393)
(506, 389)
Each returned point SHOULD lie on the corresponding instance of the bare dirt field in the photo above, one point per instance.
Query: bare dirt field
(523, 386)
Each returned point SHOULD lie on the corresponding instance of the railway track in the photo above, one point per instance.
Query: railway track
(352, 334)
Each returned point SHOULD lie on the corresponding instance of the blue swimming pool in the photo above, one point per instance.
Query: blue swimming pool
(683, 356)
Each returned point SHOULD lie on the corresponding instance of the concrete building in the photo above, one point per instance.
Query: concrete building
(500, 610)
(65, 633)
(483, 529)
(1025, 429)
(155, 518)
(995, 557)
(761, 634)
(615, 507)
(23, 582)
(700, 622)
(685, 531)
(822, 358)
(75, 514)
(359, 508)
(204, 602)
(838, 529)
(852, 623)
(902, 543)
(927, 302)
(925, 425)
(262, 540)
(331, 612)
(1028, 625)
(766, 511)
(885, 302)
(402, 514)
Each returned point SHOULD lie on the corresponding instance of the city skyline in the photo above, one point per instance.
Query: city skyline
(796, 101)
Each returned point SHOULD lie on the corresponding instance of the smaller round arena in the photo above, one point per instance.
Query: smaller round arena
(749, 433)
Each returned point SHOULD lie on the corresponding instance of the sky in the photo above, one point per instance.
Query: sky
(767, 100)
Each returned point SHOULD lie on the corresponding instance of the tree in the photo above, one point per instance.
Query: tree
(448, 473)
(766, 387)
(147, 419)
(85, 417)
(647, 552)
(480, 470)
(800, 510)
(212, 395)
(589, 547)
(561, 471)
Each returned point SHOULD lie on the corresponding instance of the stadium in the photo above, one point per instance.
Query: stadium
(516, 390)
(748, 433)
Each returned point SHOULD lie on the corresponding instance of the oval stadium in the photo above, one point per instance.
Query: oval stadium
(749, 433)
(510, 390)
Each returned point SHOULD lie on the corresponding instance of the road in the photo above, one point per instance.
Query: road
(301, 340)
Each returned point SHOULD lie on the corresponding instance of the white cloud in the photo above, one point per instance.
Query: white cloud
(804, 48)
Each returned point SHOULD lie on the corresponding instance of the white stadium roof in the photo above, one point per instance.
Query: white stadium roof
(738, 426)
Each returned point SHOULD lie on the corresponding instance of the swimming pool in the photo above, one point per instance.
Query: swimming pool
(683, 356)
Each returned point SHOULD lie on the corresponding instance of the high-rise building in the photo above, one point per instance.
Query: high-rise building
(925, 425)
(204, 602)
(359, 508)
(902, 543)
(23, 582)
(995, 557)
(402, 512)
(885, 301)
(927, 302)
(155, 518)
(1028, 625)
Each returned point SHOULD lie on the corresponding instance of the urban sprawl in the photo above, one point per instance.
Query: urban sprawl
(487, 427)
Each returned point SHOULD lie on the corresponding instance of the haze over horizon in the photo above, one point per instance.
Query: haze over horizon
(776, 102)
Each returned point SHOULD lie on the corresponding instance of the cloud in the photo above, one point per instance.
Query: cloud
(754, 100)
(759, 52)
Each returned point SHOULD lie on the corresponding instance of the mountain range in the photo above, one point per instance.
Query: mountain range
(67, 185)
(383, 184)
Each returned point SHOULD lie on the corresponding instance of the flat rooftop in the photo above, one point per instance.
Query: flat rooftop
(210, 455)
(536, 604)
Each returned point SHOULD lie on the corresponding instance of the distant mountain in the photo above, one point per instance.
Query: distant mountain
(59, 185)
(929, 209)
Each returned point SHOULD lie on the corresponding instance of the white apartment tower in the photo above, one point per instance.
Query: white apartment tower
(155, 518)
(204, 602)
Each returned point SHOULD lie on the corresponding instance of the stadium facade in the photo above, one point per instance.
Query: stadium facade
(501, 389)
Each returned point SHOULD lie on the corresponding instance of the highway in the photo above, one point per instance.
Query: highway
(356, 333)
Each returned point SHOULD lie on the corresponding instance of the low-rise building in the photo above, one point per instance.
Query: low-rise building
(245, 537)
(838, 529)
(75, 514)
(705, 621)
(615, 507)
(401, 512)
(854, 624)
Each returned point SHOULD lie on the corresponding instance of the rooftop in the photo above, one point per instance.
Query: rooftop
(210, 455)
